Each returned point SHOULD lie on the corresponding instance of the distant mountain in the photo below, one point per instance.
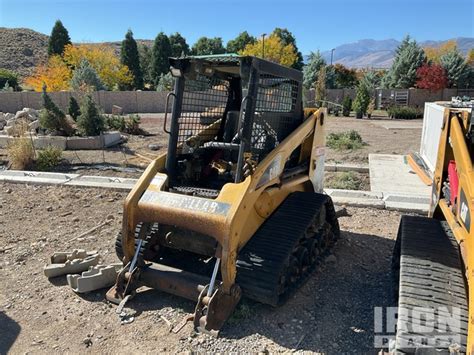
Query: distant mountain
(379, 53)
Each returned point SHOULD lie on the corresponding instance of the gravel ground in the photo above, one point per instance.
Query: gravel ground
(331, 313)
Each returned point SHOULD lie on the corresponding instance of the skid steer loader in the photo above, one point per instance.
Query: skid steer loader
(235, 206)
(433, 258)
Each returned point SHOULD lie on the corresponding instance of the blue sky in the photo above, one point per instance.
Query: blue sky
(316, 24)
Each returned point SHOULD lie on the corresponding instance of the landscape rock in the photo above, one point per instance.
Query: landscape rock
(117, 110)
(21, 114)
(9, 116)
(33, 125)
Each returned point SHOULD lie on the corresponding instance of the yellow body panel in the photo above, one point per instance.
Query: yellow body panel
(453, 146)
(240, 209)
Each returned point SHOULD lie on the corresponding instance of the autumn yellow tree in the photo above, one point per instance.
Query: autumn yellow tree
(434, 53)
(58, 71)
(275, 51)
(470, 57)
(103, 59)
(55, 74)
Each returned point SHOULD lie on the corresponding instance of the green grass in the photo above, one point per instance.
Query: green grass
(242, 312)
(349, 140)
(347, 180)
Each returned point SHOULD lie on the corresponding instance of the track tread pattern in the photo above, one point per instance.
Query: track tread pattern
(262, 260)
(430, 276)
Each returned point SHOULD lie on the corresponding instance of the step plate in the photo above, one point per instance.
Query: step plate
(431, 289)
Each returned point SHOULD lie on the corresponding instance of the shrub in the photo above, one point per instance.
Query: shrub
(20, 150)
(49, 157)
(115, 122)
(73, 109)
(90, 122)
(349, 140)
(85, 77)
(346, 180)
(7, 76)
(404, 112)
(52, 118)
(130, 124)
(346, 106)
(362, 100)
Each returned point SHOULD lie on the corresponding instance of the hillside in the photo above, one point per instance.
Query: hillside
(21, 49)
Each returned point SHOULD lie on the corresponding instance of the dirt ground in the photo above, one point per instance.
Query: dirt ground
(332, 313)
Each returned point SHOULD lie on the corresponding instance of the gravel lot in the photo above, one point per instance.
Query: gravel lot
(332, 313)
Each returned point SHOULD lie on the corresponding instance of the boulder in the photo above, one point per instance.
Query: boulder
(3, 123)
(117, 110)
(9, 116)
(33, 125)
(21, 114)
(32, 118)
(31, 111)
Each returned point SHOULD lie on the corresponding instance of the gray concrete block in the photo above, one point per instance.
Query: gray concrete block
(407, 203)
(73, 262)
(334, 167)
(354, 194)
(41, 142)
(95, 278)
(84, 143)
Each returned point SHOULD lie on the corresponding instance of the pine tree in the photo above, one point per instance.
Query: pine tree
(160, 57)
(346, 106)
(311, 70)
(239, 43)
(58, 40)
(90, 122)
(362, 100)
(409, 56)
(145, 64)
(73, 109)
(166, 82)
(129, 57)
(456, 68)
(85, 77)
(179, 46)
(52, 118)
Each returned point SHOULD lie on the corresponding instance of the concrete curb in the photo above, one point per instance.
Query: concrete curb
(346, 167)
(368, 199)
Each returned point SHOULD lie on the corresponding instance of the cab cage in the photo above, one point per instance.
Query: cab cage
(239, 103)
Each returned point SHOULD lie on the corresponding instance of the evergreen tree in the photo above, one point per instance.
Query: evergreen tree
(208, 46)
(287, 38)
(58, 40)
(456, 68)
(85, 77)
(52, 118)
(166, 82)
(409, 56)
(179, 46)
(73, 109)
(346, 106)
(372, 80)
(311, 70)
(238, 44)
(90, 122)
(160, 57)
(129, 57)
(145, 64)
(362, 100)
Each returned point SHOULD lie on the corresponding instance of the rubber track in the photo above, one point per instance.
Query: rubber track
(430, 276)
(263, 258)
(143, 251)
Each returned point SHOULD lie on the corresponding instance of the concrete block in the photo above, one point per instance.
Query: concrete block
(35, 177)
(95, 278)
(74, 262)
(356, 198)
(391, 174)
(335, 167)
(103, 181)
(41, 142)
(354, 194)
(112, 138)
(84, 143)
(407, 203)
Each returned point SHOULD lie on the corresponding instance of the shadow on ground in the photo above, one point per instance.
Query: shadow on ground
(9, 331)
